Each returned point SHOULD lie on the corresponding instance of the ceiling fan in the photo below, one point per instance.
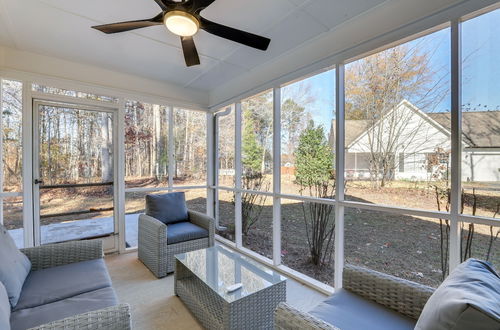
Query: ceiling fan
(183, 19)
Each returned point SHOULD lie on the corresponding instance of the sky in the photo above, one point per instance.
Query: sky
(480, 70)
(481, 55)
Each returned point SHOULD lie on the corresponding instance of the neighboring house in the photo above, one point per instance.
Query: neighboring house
(416, 145)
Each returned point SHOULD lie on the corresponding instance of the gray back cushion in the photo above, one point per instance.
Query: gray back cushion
(14, 266)
(168, 208)
(469, 295)
(4, 308)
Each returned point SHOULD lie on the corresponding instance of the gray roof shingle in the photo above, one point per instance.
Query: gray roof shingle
(481, 129)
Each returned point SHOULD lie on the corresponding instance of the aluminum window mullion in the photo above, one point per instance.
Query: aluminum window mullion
(495, 222)
(214, 185)
(27, 170)
(157, 189)
(212, 160)
(456, 144)
(237, 177)
(276, 176)
(171, 146)
(119, 139)
(339, 172)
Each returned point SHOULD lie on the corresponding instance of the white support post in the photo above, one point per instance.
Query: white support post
(171, 147)
(120, 175)
(211, 164)
(456, 144)
(339, 173)
(30, 236)
(276, 176)
(237, 176)
(216, 161)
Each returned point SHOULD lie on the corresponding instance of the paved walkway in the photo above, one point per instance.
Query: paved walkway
(79, 229)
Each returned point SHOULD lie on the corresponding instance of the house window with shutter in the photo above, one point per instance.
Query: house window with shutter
(401, 162)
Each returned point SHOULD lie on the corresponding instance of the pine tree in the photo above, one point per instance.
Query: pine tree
(252, 151)
(314, 157)
(314, 161)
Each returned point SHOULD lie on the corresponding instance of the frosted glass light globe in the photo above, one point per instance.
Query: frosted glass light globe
(181, 23)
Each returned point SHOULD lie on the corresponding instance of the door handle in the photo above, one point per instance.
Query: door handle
(38, 181)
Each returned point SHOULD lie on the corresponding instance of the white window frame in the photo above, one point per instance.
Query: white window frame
(454, 216)
(28, 79)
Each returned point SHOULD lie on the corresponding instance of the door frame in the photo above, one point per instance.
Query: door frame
(112, 242)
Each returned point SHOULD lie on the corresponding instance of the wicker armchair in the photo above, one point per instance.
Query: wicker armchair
(155, 251)
(405, 297)
(52, 255)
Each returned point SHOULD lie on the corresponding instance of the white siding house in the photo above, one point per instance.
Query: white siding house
(417, 145)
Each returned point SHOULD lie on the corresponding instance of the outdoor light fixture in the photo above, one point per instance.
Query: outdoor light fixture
(181, 23)
(183, 19)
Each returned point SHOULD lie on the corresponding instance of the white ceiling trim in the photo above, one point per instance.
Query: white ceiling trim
(307, 34)
(335, 46)
(310, 41)
(262, 31)
(61, 73)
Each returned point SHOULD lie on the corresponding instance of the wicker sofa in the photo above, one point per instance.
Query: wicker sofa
(157, 251)
(68, 288)
(368, 300)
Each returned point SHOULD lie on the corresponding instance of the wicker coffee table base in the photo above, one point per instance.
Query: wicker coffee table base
(255, 311)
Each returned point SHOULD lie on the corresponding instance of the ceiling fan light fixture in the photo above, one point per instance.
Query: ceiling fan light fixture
(181, 23)
(182, 18)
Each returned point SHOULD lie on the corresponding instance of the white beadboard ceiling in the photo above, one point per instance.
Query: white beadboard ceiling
(61, 28)
(302, 32)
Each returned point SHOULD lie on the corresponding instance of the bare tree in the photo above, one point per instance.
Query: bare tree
(467, 231)
(259, 110)
(375, 89)
(106, 149)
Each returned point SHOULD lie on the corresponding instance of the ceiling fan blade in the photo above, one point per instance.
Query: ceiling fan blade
(162, 4)
(129, 25)
(242, 37)
(199, 5)
(190, 52)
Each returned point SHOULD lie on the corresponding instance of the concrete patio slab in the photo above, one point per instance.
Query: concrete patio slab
(80, 229)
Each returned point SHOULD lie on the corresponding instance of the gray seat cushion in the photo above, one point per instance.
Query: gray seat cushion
(184, 231)
(58, 283)
(14, 266)
(347, 310)
(4, 308)
(469, 295)
(168, 208)
(86, 302)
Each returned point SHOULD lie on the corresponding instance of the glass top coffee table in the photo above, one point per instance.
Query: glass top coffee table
(203, 276)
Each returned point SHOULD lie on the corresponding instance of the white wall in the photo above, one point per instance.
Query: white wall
(415, 134)
(15, 62)
(481, 165)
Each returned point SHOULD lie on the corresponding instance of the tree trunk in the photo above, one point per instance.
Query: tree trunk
(156, 140)
(106, 164)
(185, 158)
(49, 153)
